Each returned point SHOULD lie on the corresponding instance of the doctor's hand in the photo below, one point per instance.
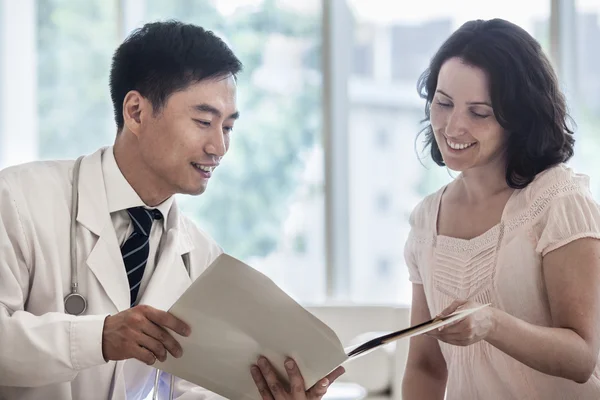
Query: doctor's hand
(140, 333)
(271, 388)
(466, 331)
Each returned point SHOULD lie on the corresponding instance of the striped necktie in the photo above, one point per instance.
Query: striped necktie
(137, 246)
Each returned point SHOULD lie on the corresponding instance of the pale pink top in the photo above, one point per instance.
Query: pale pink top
(503, 267)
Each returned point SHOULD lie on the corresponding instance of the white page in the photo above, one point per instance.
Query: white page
(237, 314)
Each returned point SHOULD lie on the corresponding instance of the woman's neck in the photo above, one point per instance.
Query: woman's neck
(480, 183)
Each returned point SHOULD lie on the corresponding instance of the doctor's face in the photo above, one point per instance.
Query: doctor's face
(183, 143)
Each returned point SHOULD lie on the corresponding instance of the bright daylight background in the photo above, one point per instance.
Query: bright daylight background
(266, 204)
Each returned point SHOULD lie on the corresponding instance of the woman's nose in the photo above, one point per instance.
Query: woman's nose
(455, 126)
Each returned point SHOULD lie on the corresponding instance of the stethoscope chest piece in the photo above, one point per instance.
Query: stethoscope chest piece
(75, 304)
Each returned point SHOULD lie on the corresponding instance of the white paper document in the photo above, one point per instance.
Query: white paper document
(238, 314)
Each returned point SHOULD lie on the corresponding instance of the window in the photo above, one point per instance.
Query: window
(383, 203)
(382, 138)
(582, 82)
(362, 64)
(18, 122)
(383, 266)
(260, 201)
(75, 42)
(403, 39)
(267, 203)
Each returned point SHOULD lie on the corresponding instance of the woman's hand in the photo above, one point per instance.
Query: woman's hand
(271, 388)
(471, 329)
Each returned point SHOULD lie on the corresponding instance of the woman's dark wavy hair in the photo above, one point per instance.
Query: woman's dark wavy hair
(524, 90)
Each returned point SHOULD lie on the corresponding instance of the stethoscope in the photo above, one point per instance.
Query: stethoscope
(75, 302)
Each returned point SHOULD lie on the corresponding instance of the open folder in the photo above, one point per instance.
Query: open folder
(237, 314)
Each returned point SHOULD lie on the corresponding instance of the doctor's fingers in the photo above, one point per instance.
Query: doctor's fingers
(144, 355)
(156, 348)
(161, 335)
(274, 386)
(261, 384)
(320, 388)
(297, 387)
(165, 319)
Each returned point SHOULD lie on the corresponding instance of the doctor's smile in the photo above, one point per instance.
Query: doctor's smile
(205, 170)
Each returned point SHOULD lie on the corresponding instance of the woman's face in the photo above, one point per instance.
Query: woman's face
(463, 121)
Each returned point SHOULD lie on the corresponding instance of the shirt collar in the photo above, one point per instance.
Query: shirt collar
(119, 193)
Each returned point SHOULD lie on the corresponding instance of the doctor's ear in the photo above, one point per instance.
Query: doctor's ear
(134, 105)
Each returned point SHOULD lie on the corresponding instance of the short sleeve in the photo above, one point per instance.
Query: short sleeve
(572, 215)
(421, 219)
(410, 258)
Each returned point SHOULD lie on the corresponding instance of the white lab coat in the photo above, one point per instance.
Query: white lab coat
(44, 352)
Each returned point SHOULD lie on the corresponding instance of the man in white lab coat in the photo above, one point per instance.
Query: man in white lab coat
(173, 88)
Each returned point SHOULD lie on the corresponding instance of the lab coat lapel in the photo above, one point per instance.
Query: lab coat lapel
(105, 259)
(171, 277)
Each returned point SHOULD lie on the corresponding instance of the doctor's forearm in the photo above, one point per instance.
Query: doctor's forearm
(47, 349)
(554, 351)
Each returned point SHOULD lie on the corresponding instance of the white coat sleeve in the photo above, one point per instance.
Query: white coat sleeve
(36, 350)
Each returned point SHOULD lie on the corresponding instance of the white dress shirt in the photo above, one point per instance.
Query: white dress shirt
(121, 196)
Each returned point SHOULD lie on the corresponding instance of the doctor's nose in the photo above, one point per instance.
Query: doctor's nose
(216, 144)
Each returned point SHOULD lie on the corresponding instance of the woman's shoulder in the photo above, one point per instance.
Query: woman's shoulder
(555, 182)
(425, 212)
(557, 186)
(560, 208)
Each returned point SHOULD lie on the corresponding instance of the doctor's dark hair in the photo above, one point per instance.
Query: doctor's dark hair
(524, 90)
(162, 58)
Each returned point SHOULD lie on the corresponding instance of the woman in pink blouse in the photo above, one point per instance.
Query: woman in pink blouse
(517, 229)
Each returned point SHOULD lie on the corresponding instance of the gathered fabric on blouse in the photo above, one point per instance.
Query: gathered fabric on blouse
(503, 266)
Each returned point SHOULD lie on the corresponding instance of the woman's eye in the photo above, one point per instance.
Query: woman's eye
(480, 115)
(442, 104)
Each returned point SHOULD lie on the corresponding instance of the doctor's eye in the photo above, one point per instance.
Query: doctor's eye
(204, 124)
